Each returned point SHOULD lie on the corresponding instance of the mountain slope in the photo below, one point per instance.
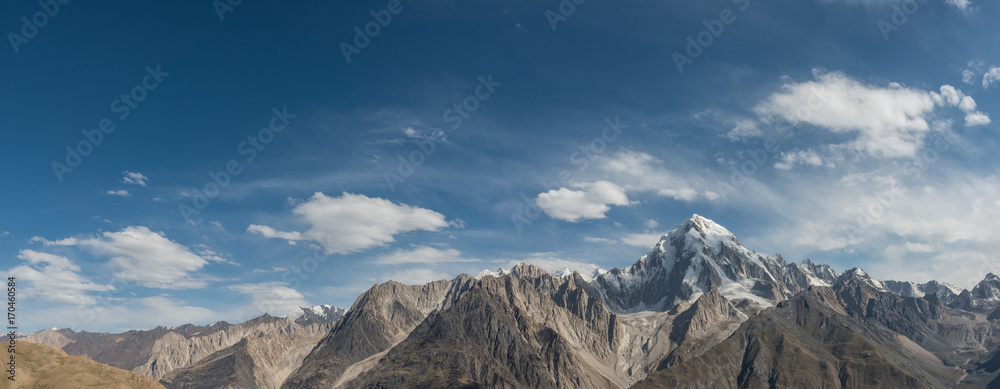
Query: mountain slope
(41, 366)
(261, 361)
(508, 332)
(379, 319)
(698, 255)
(809, 341)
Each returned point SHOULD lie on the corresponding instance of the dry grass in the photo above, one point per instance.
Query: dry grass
(40, 366)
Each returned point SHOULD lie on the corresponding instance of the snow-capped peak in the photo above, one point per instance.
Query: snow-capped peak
(500, 272)
(318, 310)
(690, 259)
(564, 272)
(705, 230)
(857, 273)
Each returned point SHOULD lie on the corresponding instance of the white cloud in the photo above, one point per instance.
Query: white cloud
(960, 209)
(122, 193)
(269, 232)
(918, 247)
(638, 171)
(423, 254)
(991, 77)
(147, 257)
(55, 278)
(590, 203)
(744, 129)
(962, 5)
(644, 240)
(889, 121)
(951, 96)
(798, 157)
(134, 178)
(351, 223)
(416, 276)
(683, 194)
(976, 119)
(967, 76)
(594, 239)
(206, 252)
(275, 298)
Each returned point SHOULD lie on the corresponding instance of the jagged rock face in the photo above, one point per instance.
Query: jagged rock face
(528, 328)
(534, 331)
(808, 341)
(263, 360)
(988, 288)
(699, 310)
(945, 293)
(699, 255)
(379, 319)
(318, 314)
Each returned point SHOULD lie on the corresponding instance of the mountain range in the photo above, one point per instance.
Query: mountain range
(699, 310)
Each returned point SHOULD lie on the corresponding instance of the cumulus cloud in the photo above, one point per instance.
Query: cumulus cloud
(352, 222)
(134, 178)
(592, 202)
(121, 193)
(889, 121)
(55, 278)
(951, 96)
(424, 254)
(147, 257)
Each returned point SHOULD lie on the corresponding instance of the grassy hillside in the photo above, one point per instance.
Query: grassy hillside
(40, 367)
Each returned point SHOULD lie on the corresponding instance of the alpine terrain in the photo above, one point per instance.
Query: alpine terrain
(699, 310)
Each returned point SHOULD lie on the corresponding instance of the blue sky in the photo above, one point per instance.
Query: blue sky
(856, 133)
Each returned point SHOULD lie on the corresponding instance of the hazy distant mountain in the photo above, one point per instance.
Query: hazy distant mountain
(156, 352)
